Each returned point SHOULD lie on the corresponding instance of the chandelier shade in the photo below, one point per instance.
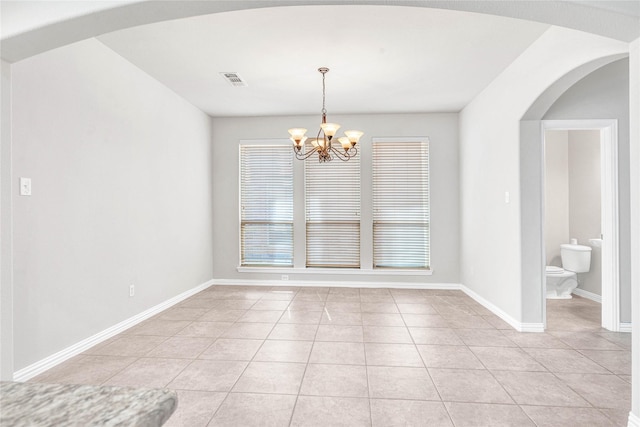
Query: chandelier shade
(322, 143)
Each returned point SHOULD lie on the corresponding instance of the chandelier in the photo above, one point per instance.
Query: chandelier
(321, 144)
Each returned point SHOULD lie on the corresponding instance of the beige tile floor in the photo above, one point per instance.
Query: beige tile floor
(242, 356)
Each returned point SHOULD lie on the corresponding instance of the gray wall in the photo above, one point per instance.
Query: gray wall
(604, 94)
(442, 129)
(6, 270)
(121, 175)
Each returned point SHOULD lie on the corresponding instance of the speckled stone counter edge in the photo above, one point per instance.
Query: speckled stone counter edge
(35, 404)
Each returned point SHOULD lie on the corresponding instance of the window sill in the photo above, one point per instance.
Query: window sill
(346, 271)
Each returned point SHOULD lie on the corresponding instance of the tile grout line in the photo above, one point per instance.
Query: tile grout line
(137, 358)
(189, 364)
(243, 371)
(366, 369)
(304, 373)
(515, 403)
(424, 364)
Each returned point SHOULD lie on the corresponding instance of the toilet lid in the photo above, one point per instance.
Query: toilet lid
(552, 269)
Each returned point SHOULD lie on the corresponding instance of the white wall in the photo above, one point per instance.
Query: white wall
(490, 164)
(556, 201)
(442, 129)
(121, 175)
(6, 270)
(634, 162)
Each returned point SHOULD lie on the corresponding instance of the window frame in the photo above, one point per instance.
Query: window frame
(366, 272)
(355, 221)
(427, 189)
(264, 143)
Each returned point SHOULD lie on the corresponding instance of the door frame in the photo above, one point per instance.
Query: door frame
(609, 213)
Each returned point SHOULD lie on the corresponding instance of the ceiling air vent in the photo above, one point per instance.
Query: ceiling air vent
(234, 79)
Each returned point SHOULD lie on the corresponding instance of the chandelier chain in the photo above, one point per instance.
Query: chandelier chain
(324, 109)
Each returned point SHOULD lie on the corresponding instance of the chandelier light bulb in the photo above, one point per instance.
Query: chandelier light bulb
(297, 134)
(299, 143)
(353, 135)
(346, 144)
(330, 129)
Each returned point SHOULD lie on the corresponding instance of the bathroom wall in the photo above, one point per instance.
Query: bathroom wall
(572, 197)
(556, 200)
(584, 200)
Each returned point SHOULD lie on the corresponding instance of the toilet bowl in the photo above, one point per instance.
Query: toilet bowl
(562, 281)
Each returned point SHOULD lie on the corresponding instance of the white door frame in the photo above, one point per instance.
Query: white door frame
(609, 212)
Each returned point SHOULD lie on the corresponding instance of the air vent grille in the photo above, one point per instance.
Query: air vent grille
(234, 79)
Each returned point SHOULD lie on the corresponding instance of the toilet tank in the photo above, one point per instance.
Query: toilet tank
(576, 258)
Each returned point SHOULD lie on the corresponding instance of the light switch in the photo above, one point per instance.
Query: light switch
(25, 186)
(506, 197)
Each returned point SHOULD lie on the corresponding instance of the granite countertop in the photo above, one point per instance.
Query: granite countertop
(34, 404)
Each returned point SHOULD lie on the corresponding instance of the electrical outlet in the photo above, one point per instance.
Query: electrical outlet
(132, 290)
(25, 186)
(285, 277)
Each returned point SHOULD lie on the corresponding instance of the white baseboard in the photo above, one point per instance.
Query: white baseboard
(530, 327)
(39, 367)
(588, 295)
(625, 327)
(634, 420)
(336, 284)
(518, 326)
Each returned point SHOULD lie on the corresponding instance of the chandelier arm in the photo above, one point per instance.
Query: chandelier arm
(306, 154)
(342, 156)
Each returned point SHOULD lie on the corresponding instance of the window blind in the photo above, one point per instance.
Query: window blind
(401, 204)
(333, 212)
(266, 199)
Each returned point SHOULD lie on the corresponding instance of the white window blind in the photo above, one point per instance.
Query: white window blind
(266, 198)
(401, 203)
(333, 212)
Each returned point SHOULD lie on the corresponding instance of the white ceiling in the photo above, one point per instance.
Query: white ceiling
(20, 16)
(383, 59)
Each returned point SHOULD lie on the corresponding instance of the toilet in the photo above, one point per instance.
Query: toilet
(561, 281)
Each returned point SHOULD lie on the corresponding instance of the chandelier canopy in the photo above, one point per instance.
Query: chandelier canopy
(321, 144)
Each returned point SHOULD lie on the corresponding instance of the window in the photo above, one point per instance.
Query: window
(332, 202)
(401, 203)
(266, 205)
